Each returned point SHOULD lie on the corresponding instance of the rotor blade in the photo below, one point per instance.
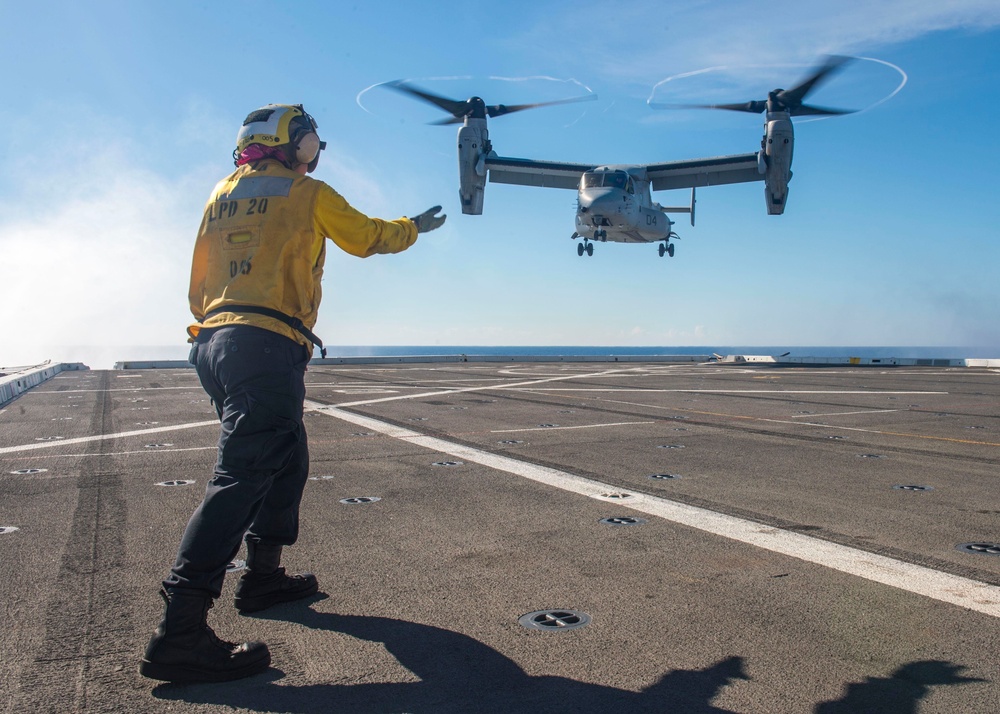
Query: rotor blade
(755, 107)
(446, 122)
(806, 110)
(498, 110)
(668, 105)
(787, 99)
(792, 97)
(454, 107)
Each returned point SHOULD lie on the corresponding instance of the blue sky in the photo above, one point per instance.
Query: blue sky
(121, 116)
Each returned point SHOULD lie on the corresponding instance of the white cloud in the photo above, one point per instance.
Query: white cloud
(97, 233)
(648, 40)
(100, 254)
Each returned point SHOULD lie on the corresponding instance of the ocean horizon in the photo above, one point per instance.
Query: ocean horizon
(105, 356)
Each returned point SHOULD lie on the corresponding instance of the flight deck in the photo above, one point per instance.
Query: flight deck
(531, 537)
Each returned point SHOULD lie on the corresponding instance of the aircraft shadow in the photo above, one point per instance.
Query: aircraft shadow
(899, 693)
(458, 674)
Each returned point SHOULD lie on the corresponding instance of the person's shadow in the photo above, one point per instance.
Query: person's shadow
(457, 674)
(899, 693)
(460, 674)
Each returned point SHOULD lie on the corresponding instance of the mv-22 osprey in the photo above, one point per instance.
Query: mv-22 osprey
(614, 202)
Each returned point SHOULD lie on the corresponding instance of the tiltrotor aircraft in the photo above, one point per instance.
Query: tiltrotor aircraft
(614, 202)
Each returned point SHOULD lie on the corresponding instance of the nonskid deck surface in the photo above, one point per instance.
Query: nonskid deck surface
(698, 538)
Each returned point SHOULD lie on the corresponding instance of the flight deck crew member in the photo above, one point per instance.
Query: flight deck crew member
(255, 293)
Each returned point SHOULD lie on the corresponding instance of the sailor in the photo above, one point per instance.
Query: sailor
(255, 292)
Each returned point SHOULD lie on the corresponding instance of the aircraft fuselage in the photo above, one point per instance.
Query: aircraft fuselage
(614, 204)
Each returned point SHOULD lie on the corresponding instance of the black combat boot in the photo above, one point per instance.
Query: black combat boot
(185, 649)
(265, 584)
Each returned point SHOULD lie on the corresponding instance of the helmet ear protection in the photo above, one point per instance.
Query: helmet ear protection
(279, 125)
(307, 148)
(305, 140)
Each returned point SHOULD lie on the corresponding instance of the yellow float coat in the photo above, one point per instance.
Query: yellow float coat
(262, 242)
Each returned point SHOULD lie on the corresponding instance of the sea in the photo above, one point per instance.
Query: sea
(105, 356)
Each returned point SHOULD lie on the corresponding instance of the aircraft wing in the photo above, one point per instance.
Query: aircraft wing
(526, 172)
(693, 173)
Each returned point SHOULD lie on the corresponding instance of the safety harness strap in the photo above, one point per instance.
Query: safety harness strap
(293, 322)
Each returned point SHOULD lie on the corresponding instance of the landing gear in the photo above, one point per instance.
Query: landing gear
(588, 247)
(666, 248)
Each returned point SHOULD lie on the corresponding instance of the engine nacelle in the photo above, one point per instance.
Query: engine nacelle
(779, 139)
(473, 146)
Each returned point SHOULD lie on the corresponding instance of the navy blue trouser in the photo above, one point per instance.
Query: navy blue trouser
(256, 379)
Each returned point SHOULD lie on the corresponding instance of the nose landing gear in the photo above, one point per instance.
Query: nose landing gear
(588, 247)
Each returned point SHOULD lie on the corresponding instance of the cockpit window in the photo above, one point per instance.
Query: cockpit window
(607, 179)
(615, 179)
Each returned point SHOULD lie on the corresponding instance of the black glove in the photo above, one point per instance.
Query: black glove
(427, 221)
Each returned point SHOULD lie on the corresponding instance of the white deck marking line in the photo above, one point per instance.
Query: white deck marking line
(422, 385)
(119, 453)
(560, 428)
(101, 437)
(952, 589)
(484, 387)
(818, 425)
(116, 389)
(715, 391)
(865, 411)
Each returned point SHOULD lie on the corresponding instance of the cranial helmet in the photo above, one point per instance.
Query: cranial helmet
(282, 125)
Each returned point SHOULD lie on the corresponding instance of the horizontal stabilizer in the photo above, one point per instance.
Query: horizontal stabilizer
(682, 209)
